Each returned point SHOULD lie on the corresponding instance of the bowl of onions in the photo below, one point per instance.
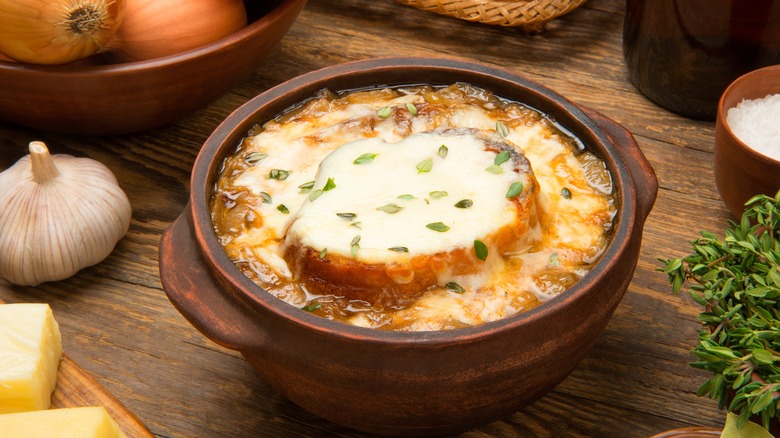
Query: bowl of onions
(108, 67)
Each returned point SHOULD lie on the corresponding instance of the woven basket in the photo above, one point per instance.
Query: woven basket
(530, 16)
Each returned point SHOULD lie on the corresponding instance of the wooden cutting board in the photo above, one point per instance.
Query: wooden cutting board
(75, 388)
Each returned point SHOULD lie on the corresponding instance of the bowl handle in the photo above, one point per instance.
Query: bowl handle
(197, 295)
(641, 172)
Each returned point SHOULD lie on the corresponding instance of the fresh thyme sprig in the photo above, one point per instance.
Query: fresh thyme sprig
(737, 282)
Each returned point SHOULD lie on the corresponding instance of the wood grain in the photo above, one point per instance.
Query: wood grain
(636, 382)
(76, 388)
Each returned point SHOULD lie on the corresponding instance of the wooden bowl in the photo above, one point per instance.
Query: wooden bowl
(91, 98)
(400, 383)
(740, 171)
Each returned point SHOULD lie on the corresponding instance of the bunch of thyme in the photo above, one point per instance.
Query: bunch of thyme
(737, 282)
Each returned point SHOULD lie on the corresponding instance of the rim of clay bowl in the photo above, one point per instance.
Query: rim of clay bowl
(224, 43)
(690, 432)
(774, 70)
(213, 254)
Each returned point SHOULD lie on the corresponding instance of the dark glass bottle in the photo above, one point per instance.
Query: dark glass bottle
(682, 54)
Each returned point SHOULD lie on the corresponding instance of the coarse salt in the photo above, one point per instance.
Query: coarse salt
(757, 124)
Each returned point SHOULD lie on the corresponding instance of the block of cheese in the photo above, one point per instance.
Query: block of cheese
(83, 422)
(30, 352)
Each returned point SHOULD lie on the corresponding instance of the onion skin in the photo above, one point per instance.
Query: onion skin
(157, 28)
(57, 31)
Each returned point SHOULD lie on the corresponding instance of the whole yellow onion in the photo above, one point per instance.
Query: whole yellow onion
(156, 28)
(57, 31)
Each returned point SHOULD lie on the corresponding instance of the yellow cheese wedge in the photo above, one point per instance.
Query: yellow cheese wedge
(30, 352)
(85, 422)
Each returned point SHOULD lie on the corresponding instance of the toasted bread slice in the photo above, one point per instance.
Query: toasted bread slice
(432, 206)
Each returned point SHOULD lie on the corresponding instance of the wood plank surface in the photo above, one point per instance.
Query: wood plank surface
(76, 388)
(119, 326)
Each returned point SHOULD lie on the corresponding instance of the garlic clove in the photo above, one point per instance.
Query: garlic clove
(61, 214)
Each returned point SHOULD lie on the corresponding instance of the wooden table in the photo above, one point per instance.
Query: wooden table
(118, 324)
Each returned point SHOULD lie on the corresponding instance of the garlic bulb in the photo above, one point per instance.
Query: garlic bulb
(59, 214)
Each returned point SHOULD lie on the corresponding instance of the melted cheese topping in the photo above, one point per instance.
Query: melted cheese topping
(265, 193)
(393, 202)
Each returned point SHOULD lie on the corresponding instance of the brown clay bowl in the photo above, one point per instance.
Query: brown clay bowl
(690, 432)
(741, 172)
(399, 383)
(90, 97)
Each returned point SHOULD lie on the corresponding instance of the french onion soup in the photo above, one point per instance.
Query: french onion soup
(413, 208)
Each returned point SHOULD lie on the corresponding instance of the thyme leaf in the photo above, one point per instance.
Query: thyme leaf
(306, 187)
(443, 151)
(283, 208)
(355, 245)
(455, 287)
(384, 112)
(347, 216)
(425, 166)
(279, 174)
(390, 208)
(364, 158)
(501, 158)
(314, 195)
(502, 129)
(254, 157)
(515, 189)
(553, 259)
(329, 185)
(480, 250)
(437, 226)
(464, 203)
(494, 169)
(312, 307)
